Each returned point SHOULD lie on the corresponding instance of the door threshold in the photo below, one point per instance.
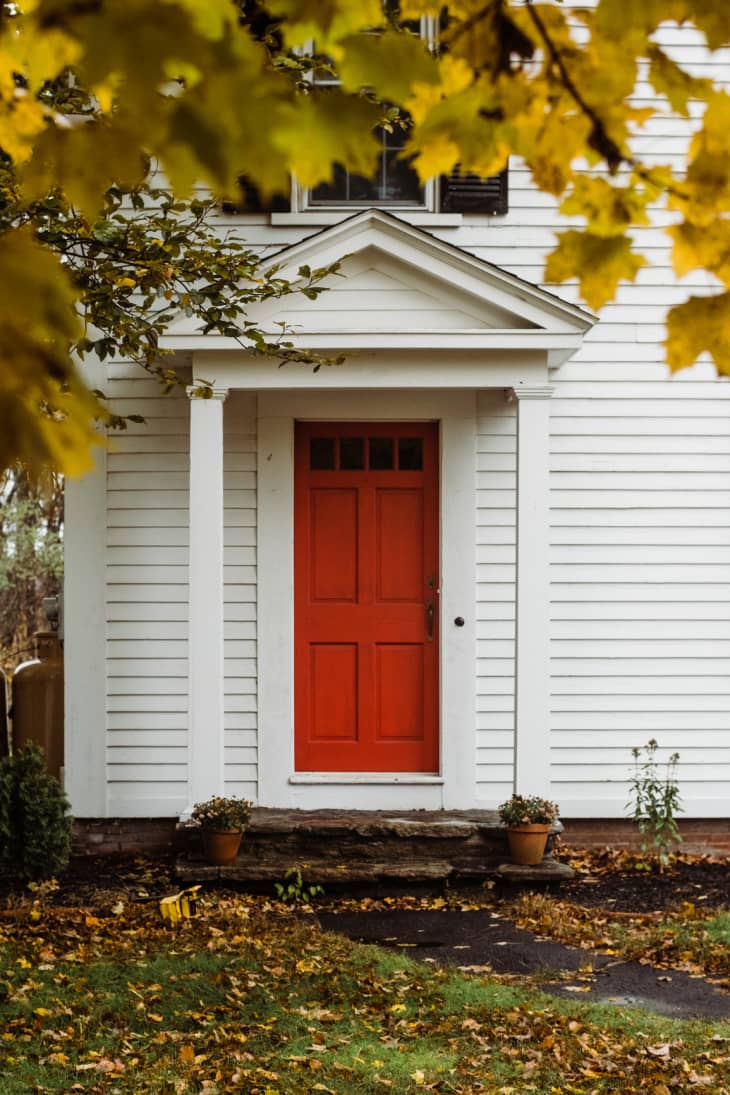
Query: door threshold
(366, 777)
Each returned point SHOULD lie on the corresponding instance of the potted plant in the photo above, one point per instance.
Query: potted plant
(222, 823)
(528, 820)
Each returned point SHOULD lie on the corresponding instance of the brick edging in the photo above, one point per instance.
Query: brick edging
(115, 836)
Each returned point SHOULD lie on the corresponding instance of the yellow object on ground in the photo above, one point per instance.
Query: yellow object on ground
(181, 906)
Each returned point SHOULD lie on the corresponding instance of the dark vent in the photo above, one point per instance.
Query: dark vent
(251, 201)
(472, 194)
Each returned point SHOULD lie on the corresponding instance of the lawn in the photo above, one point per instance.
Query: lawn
(251, 997)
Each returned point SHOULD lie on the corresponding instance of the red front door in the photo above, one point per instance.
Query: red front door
(366, 597)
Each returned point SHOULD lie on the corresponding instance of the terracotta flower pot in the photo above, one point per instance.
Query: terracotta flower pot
(527, 844)
(221, 846)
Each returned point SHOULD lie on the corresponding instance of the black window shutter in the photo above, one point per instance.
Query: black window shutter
(251, 201)
(465, 193)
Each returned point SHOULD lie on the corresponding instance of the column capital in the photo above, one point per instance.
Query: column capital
(530, 391)
(193, 391)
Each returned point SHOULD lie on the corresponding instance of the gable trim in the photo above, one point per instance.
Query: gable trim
(408, 241)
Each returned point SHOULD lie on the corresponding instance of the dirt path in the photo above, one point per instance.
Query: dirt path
(483, 939)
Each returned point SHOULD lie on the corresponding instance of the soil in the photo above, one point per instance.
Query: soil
(695, 880)
(705, 881)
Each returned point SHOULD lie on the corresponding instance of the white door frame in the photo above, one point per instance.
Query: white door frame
(279, 785)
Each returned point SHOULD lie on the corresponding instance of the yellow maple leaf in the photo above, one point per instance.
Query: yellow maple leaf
(455, 76)
(707, 246)
(597, 262)
(325, 21)
(328, 129)
(391, 64)
(608, 209)
(437, 158)
(700, 325)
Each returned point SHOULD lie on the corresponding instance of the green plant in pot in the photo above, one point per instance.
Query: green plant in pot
(222, 823)
(528, 820)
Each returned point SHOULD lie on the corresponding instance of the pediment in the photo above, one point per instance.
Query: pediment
(393, 277)
(400, 289)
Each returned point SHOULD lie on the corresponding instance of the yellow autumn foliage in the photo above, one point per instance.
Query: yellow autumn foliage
(188, 84)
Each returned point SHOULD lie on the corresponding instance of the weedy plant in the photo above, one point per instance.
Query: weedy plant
(654, 804)
(35, 823)
(294, 890)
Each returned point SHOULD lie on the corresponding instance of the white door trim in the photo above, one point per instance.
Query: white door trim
(278, 785)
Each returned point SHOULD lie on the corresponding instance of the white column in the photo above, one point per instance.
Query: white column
(532, 668)
(205, 749)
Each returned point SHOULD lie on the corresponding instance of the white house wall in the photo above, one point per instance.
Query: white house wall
(640, 537)
(640, 562)
(640, 550)
(147, 600)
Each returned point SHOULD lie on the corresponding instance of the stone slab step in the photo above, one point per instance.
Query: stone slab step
(191, 870)
(354, 846)
(548, 870)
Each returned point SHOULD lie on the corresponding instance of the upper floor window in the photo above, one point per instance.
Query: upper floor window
(394, 184)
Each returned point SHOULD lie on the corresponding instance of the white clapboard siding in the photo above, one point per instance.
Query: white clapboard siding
(147, 595)
(640, 529)
(240, 753)
(496, 457)
(641, 509)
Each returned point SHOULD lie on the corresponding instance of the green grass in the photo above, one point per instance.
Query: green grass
(718, 929)
(249, 1001)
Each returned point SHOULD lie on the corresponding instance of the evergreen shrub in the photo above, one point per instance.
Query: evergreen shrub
(35, 819)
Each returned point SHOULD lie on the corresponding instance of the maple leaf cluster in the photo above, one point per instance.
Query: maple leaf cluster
(91, 94)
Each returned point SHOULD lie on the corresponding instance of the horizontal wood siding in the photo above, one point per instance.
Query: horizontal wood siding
(640, 536)
(239, 419)
(147, 599)
(640, 559)
(495, 615)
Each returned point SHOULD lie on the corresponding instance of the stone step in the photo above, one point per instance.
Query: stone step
(548, 870)
(198, 870)
(341, 847)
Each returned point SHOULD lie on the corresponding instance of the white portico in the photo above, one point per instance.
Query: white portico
(455, 327)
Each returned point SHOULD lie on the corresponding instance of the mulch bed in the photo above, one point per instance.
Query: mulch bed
(702, 881)
(603, 880)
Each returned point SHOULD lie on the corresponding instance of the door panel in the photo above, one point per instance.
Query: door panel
(333, 693)
(399, 544)
(333, 544)
(366, 597)
(399, 685)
